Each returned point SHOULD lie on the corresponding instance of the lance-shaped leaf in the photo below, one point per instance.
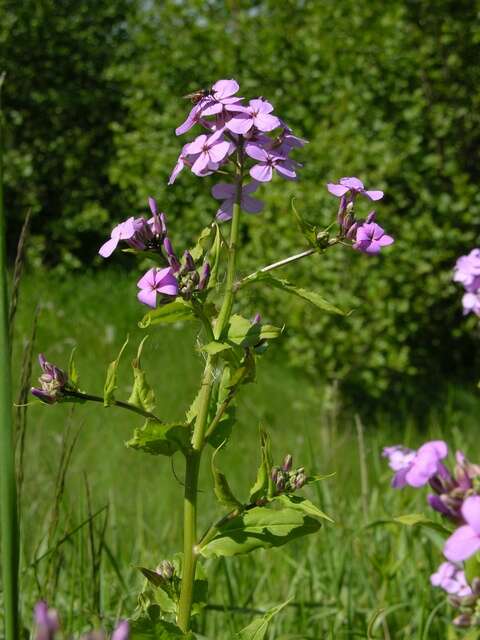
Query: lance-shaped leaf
(222, 411)
(221, 487)
(243, 333)
(302, 504)
(160, 438)
(214, 256)
(263, 486)
(272, 525)
(308, 230)
(310, 296)
(413, 520)
(257, 629)
(176, 311)
(142, 394)
(111, 379)
(72, 370)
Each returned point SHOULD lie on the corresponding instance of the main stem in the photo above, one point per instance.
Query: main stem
(8, 494)
(193, 459)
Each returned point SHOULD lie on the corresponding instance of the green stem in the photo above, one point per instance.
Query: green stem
(8, 492)
(193, 459)
(114, 403)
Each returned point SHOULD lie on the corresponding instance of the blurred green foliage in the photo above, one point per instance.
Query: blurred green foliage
(385, 91)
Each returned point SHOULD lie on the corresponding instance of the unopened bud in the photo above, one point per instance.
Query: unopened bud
(476, 586)
(152, 203)
(372, 216)
(204, 276)
(280, 484)
(300, 480)
(274, 474)
(463, 620)
(287, 463)
(189, 263)
(257, 319)
(165, 569)
(352, 231)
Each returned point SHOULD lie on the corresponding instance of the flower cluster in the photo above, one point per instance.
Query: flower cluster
(367, 236)
(286, 479)
(48, 625)
(159, 285)
(456, 495)
(235, 127)
(53, 382)
(467, 272)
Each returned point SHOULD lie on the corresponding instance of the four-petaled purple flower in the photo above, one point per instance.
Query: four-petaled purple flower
(451, 579)
(258, 114)
(267, 161)
(221, 98)
(211, 151)
(227, 193)
(354, 186)
(415, 468)
(371, 237)
(465, 541)
(467, 272)
(157, 282)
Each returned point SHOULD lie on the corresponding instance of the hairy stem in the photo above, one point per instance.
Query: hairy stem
(8, 495)
(193, 459)
(115, 403)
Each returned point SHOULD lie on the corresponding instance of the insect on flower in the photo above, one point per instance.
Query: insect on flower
(199, 95)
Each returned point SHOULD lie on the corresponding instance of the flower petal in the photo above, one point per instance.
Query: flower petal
(374, 195)
(462, 544)
(108, 247)
(148, 297)
(266, 122)
(147, 280)
(223, 190)
(337, 189)
(225, 88)
(261, 172)
(251, 205)
(471, 512)
(240, 124)
(352, 183)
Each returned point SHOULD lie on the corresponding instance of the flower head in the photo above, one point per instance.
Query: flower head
(267, 161)
(465, 541)
(157, 282)
(46, 621)
(451, 579)
(122, 631)
(370, 238)
(227, 192)
(353, 186)
(53, 382)
(210, 151)
(471, 303)
(258, 114)
(416, 468)
(467, 270)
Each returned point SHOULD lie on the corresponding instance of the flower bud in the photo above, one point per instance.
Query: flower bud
(53, 382)
(165, 569)
(257, 319)
(300, 480)
(463, 620)
(287, 463)
(476, 586)
(204, 277)
(280, 484)
(274, 474)
(189, 262)
(372, 216)
(352, 231)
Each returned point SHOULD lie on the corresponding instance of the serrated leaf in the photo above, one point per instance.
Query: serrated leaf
(176, 311)
(310, 296)
(142, 394)
(221, 487)
(160, 438)
(260, 527)
(257, 629)
(111, 378)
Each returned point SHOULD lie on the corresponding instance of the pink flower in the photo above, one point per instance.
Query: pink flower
(157, 281)
(211, 151)
(415, 468)
(465, 541)
(257, 114)
(267, 162)
(227, 192)
(220, 98)
(46, 620)
(354, 185)
(451, 579)
(370, 238)
(122, 631)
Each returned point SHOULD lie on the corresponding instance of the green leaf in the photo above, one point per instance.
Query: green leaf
(160, 438)
(303, 504)
(311, 296)
(72, 370)
(263, 485)
(224, 395)
(272, 525)
(214, 256)
(472, 568)
(142, 394)
(215, 347)
(244, 333)
(221, 487)
(205, 236)
(257, 629)
(413, 520)
(111, 379)
(175, 311)
(308, 230)
(147, 629)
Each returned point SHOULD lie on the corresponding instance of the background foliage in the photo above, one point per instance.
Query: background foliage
(385, 91)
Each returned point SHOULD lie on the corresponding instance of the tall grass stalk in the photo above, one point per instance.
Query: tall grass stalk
(8, 497)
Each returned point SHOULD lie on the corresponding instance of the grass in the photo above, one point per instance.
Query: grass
(97, 515)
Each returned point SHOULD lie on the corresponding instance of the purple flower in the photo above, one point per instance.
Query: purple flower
(370, 238)
(46, 621)
(227, 193)
(415, 468)
(123, 231)
(451, 579)
(471, 303)
(257, 114)
(53, 382)
(204, 276)
(157, 281)
(467, 270)
(211, 151)
(267, 162)
(122, 632)
(465, 541)
(354, 186)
